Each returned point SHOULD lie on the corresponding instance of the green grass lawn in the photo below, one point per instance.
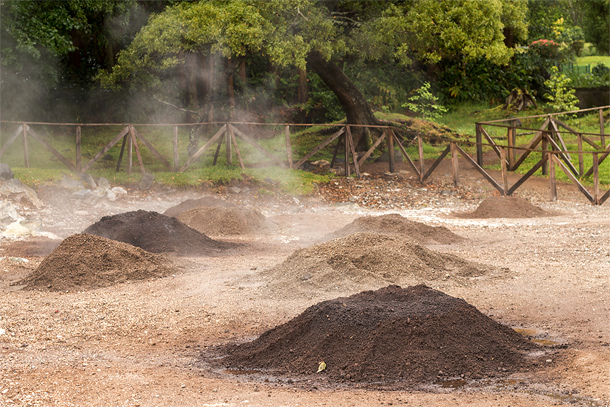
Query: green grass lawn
(593, 60)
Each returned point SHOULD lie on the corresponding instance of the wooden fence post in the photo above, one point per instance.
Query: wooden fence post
(391, 164)
(288, 147)
(346, 144)
(118, 164)
(129, 153)
(581, 163)
(601, 128)
(454, 162)
(228, 149)
(504, 171)
(479, 145)
(26, 153)
(595, 178)
(511, 138)
(78, 148)
(420, 150)
(552, 179)
(544, 147)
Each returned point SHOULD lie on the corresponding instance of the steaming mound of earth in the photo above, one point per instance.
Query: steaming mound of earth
(174, 211)
(411, 335)
(367, 258)
(85, 261)
(394, 223)
(156, 233)
(219, 221)
(505, 207)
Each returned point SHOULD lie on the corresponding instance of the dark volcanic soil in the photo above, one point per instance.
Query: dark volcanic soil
(86, 261)
(413, 335)
(156, 233)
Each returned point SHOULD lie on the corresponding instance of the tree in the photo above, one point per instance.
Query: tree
(596, 24)
(52, 49)
(322, 35)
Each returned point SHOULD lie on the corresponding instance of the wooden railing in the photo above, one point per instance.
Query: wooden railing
(548, 140)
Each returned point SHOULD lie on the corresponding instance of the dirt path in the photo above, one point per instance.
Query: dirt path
(143, 343)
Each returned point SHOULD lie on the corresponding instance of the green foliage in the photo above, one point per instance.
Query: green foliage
(599, 76)
(425, 104)
(596, 24)
(430, 30)
(561, 95)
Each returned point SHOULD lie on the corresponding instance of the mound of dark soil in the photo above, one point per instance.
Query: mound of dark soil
(174, 211)
(222, 221)
(86, 261)
(394, 223)
(505, 207)
(413, 335)
(155, 233)
(367, 258)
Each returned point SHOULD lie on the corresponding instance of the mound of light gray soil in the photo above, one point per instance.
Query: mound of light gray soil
(156, 233)
(505, 207)
(223, 221)
(367, 258)
(396, 224)
(85, 261)
(174, 211)
(408, 336)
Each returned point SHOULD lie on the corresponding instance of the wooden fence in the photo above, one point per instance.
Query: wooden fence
(556, 143)
(549, 141)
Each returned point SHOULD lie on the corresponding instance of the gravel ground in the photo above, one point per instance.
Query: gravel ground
(141, 343)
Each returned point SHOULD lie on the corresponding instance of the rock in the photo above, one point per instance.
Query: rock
(321, 164)
(8, 213)
(118, 191)
(97, 194)
(5, 172)
(234, 190)
(146, 181)
(82, 194)
(15, 191)
(70, 183)
(16, 229)
(104, 183)
(88, 181)
(111, 196)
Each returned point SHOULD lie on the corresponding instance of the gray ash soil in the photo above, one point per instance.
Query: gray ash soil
(84, 262)
(156, 233)
(405, 336)
(353, 261)
(188, 204)
(225, 221)
(394, 223)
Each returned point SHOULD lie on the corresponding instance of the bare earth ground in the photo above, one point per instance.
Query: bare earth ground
(141, 343)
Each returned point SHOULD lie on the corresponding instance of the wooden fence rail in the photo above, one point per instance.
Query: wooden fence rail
(548, 140)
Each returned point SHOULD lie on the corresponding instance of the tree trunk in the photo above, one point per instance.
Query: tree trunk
(230, 83)
(303, 89)
(190, 87)
(357, 109)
